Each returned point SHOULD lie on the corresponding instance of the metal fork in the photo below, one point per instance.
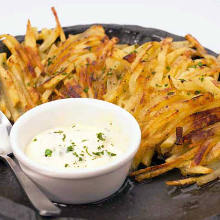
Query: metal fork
(44, 206)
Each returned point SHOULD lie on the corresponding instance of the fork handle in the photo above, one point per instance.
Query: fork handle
(36, 197)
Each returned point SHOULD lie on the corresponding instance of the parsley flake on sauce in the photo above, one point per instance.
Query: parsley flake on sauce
(48, 153)
(100, 136)
(111, 154)
(75, 154)
(86, 149)
(80, 159)
(70, 148)
(98, 153)
(64, 137)
(100, 147)
(58, 132)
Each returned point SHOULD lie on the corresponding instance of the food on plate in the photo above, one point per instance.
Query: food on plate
(170, 87)
(78, 146)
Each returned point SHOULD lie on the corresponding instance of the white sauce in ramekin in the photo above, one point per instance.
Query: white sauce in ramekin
(77, 146)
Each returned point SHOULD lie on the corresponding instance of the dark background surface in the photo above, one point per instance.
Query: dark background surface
(147, 200)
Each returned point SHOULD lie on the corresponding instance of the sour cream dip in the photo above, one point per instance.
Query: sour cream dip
(77, 146)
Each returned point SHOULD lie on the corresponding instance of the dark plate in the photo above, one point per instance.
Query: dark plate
(148, 200)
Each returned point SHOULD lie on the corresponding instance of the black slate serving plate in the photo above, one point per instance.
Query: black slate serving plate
(147, 200)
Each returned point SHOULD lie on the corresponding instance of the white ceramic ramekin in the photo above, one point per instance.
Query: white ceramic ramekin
(84, 185)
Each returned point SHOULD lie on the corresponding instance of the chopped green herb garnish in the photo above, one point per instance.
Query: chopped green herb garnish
(103, 70)
(100, 147)
(153, 72)
(73, 126)
(111, 154)
(168, 68)
(193, 66)
(48, 153)
(200, 64)
(170, 93)
(118, 77)
(182, 80)
(80, 159)
(201, 79)
(58, 132)
(157, 85)
(50, 60)
(84, 140)
(86, 90)
(66, 165)
(64, 137)
(197, 92)
(109, 73)
(35, 139)
(98, 153)
(166, 85)
(69, 148)
(75, 154)
(89, 48)
(100, 136)
(86, 149)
